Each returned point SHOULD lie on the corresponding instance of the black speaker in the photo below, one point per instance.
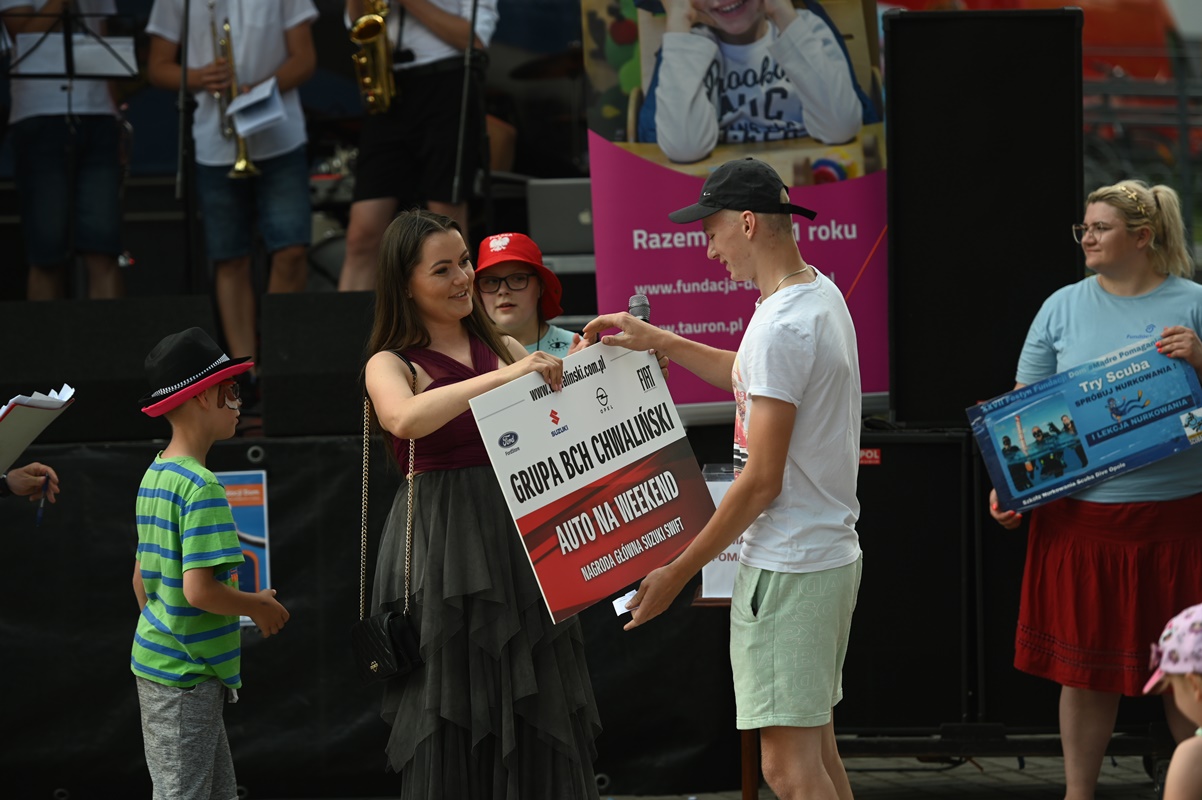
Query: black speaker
(907, 663)
(311, 354)
(985, 179)
(153, 234)
(99, 347)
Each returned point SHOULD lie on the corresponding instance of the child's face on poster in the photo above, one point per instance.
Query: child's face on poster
(731, 18)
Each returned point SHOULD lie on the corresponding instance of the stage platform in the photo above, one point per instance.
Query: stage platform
(980, 779)
(938, 605)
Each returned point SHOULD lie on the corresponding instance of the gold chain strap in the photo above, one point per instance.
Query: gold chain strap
(363, 515)
(409, 519)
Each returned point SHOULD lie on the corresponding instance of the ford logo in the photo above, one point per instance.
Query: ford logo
(508, 439)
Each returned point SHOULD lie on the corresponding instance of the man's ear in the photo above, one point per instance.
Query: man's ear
(749, 222)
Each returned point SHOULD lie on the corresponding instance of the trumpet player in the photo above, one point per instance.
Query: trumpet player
(407, 153)
(66, 147)
(242, 43)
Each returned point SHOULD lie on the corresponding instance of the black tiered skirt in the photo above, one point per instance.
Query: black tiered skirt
(503, 706)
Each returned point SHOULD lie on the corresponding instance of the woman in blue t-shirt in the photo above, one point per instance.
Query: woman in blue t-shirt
(1100, 564)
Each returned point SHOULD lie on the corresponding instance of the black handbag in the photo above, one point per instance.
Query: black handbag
(385, 645)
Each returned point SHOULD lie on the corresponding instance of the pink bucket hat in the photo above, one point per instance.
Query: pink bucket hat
(1179, 649)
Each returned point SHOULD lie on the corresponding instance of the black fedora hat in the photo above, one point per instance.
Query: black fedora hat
(182, 366)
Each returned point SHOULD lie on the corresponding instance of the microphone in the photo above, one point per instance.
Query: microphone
(639, 307)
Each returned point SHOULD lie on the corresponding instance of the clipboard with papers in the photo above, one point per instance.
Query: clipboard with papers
(24, 417)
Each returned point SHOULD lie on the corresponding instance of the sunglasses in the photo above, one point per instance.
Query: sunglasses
(229, 395)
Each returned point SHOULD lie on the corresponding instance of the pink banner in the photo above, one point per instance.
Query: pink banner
(639, 251)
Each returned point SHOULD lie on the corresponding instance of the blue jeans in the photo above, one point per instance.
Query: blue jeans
(277, 200)
(69, 180)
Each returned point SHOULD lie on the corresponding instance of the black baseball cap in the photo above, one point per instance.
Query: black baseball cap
(743, 185)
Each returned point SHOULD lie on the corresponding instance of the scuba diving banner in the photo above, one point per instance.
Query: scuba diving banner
(599, 477)
(1088, 424)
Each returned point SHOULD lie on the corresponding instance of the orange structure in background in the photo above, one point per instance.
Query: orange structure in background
(1133, 61)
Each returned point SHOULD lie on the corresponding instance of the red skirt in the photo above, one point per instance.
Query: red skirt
(1101, 581)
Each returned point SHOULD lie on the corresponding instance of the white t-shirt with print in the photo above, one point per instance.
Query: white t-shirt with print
(257, 29)
(40, 97)
(800, 347)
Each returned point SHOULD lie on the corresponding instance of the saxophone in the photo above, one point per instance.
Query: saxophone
(373, 62)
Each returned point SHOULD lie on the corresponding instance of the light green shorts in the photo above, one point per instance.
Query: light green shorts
(788, 638)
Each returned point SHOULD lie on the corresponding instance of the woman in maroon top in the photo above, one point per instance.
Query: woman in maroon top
(503, 706)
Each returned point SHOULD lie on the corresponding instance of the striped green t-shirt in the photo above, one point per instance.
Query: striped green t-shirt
(184, 522)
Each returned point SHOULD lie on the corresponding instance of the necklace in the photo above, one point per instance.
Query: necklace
(790, 275)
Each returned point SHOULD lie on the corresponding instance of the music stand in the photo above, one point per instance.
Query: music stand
(86, 55)
(98, 57)
(471, 55)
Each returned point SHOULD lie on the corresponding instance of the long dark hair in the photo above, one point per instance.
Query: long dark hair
(398, 324)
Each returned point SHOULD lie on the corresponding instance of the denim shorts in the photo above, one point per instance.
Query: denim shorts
(788, 639)
(56, 170)
(277, 200)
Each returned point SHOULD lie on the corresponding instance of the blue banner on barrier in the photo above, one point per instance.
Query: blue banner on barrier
(1087, 424)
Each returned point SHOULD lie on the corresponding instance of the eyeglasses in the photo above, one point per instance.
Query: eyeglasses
(489, 284)
(1098, 229)
(229, 394)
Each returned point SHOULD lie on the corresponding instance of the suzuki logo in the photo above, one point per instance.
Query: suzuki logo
(554, 417)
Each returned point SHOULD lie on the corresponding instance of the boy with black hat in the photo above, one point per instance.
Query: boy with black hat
(796, 382)
(187, 647)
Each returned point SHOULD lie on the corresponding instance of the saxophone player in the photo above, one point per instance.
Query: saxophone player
(265, 39)
(407, 153)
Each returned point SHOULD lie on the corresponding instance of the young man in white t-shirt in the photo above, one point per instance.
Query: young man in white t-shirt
(796, 382)
(66, 140)
(269, 40)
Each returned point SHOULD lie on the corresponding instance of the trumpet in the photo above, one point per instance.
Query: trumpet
(223, 47)
(373, 62)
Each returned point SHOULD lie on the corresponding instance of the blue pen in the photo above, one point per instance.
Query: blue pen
(42, 503)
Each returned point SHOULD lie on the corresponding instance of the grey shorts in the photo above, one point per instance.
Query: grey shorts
(183, 731)
(788, 639)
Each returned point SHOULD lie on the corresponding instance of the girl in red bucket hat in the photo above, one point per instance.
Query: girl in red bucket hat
(520, 294)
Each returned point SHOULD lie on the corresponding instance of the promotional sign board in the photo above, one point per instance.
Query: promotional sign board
(1087, 424)
(246, 491)
(600, 478)
(668, 108)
